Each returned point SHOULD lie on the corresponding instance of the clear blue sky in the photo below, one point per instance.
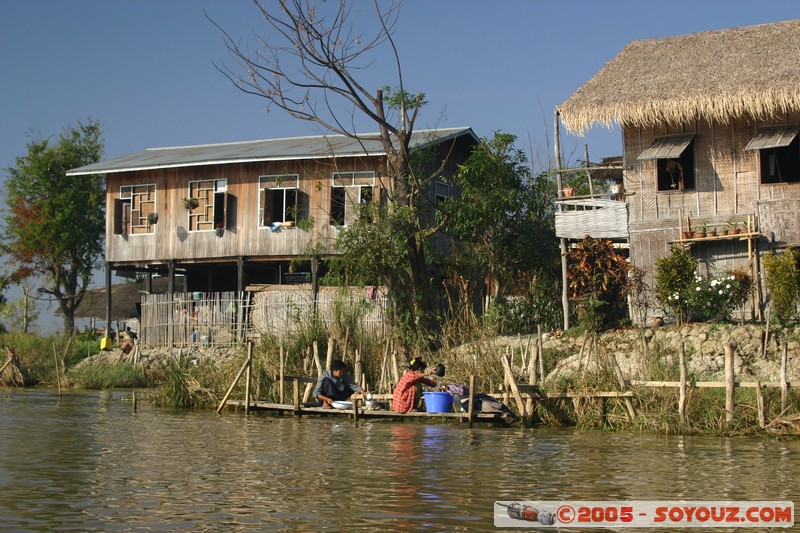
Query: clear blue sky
(145, 68)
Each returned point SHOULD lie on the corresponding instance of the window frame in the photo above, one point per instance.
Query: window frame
(774, 153)
(668, 162)
(266, 195)
(349, 180)
(212, 203)
(130, 221)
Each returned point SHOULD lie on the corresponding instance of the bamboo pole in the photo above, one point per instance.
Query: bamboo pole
(682, 397)
(282, 368)
(317, 360)
(296, 396)
(762, 415)
(517, 396)
(133, 400)
(8, 362)
(588, 172)
(247, 377)
(230, 389)
(329, 355)
(562, 241)
(471, 403)
(58, 374)
(357, 365)
(784, 382)
(540, 352)
(730, 384)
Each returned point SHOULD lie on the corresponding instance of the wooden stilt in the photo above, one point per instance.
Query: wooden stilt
(296, 396)
(471, 403)
(682, 395)
(730, 384)
(247, 377)
(784, 381)
(230, 389)
(762, 414)
(282, 370)
(513, 384)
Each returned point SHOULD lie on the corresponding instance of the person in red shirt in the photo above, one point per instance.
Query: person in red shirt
(409, 390)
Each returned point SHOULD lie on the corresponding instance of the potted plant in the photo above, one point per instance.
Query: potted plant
(152, 218)
(734, 227)
(703, 229)
(711, 231)
(190, 203)
(220, 229)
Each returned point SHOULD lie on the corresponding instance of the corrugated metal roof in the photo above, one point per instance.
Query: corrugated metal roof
(265, 150)
(667, 147)
(773, 137)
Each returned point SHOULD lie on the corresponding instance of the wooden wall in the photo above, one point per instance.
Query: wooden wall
(243, 236)
(727, 187)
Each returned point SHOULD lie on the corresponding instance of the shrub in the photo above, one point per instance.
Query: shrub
(598, 278)
(716, 297)
(782, 284)
(675, 275)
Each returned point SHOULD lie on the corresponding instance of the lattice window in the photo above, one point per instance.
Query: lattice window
(212, 204)
(349, 190)
(135, 210)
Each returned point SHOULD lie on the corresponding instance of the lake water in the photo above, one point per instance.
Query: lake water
(88, 462)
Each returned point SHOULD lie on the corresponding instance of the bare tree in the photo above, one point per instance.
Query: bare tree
(312, 64)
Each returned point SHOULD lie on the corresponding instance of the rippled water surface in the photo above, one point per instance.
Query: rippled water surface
(87, 462)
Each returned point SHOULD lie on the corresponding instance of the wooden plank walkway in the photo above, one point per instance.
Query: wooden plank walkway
(362, 413)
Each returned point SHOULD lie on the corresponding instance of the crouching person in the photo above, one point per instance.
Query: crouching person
(408, 392)
(335, 385)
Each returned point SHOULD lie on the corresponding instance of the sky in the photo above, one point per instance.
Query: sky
(146, 68)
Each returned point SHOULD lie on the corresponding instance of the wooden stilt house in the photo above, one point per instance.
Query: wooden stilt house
(228, 216)
(710, 125)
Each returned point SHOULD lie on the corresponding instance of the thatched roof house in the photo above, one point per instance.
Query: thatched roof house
(714, 75)
(711, 138)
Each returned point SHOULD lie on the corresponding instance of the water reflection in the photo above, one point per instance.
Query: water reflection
(88, 463)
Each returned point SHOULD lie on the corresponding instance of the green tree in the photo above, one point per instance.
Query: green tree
(502, 222)
(54, 225)
(20, 314)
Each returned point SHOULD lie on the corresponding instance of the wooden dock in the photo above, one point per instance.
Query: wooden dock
(289, 409)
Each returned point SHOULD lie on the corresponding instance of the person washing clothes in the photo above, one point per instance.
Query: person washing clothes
(335, 385)
(408, 391)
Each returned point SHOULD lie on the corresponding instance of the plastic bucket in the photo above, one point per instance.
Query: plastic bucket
(438, 402)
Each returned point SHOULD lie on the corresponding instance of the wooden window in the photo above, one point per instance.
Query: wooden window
(349, 190)
(278, 199)
(674, 162)
(132, 210)
(778, 152)
(212, 204)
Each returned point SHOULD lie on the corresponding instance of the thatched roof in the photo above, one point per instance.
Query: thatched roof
(720, 75)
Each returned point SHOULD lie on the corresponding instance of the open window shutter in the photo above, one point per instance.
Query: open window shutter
(266, 201)
(118, 223)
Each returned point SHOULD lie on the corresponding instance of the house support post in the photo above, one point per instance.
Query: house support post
(171, 291)
(240, 297)
(563, 242)
(108, 299)
(314, 284)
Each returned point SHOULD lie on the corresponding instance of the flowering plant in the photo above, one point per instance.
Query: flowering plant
(716, 297)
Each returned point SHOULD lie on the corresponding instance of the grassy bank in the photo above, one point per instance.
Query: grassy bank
(186, 383)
